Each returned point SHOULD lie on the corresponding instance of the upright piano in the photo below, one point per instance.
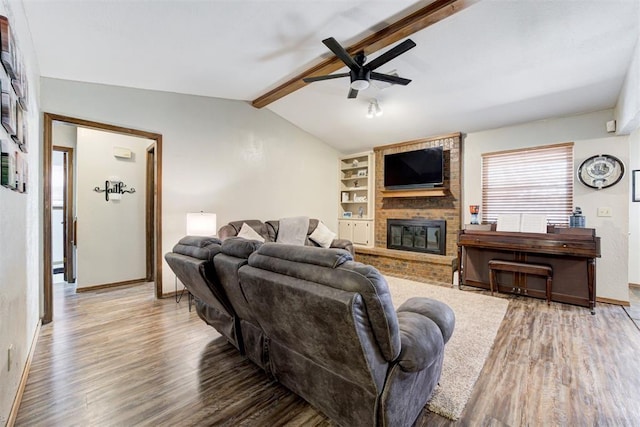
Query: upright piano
(571, 252)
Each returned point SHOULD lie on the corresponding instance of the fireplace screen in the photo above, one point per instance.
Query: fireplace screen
(417, 235)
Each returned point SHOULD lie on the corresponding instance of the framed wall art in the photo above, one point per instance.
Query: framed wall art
(635, 186)
(18, 136)
(7, 48)
(8, 114)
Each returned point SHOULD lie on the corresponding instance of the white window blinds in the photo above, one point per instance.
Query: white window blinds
(536, 180)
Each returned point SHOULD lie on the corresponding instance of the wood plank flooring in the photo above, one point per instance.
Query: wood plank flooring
(118, 357)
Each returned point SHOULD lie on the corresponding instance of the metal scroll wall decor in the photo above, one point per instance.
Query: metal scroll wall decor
(113, 187)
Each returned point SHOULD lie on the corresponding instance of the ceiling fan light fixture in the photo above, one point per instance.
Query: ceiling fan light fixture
(370, 113)
(360, 84)
(374, 109)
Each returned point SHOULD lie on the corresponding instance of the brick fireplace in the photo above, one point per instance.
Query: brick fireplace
(443, 205)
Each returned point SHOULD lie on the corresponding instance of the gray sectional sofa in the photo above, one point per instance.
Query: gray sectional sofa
(321, 324)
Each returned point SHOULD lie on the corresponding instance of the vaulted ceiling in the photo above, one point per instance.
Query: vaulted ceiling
(493, 63)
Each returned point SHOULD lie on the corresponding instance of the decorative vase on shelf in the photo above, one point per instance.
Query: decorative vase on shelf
(474, 210)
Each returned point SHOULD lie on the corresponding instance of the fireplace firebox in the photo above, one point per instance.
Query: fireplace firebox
(417, 235)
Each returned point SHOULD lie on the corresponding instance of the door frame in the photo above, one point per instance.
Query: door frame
(48, 120)
(150, 183)
(68, 235)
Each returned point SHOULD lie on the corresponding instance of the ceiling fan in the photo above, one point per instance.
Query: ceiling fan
(362, 73)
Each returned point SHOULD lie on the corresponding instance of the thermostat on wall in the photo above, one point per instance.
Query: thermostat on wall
(121, 152)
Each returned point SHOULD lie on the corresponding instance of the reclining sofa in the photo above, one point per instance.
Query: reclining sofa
(321, 324)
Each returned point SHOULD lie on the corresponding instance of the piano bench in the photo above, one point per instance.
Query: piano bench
(496, 265)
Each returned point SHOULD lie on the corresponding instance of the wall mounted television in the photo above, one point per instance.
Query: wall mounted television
(414, 169)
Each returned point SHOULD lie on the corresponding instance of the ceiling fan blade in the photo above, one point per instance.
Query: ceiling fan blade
(339, 51)
(327, 77)
(352, 93)
(390, 54)
(390, 79)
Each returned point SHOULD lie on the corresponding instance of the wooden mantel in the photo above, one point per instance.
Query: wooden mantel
(417, 192)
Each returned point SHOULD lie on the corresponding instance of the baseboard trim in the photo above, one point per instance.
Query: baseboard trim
(13, 415)
(111, 285)
(613, 301)
(169, 294)
(634, 285)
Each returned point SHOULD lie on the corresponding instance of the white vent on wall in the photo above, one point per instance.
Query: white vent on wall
(121, 152)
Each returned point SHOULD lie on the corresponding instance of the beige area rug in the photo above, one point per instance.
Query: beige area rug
(478, 318)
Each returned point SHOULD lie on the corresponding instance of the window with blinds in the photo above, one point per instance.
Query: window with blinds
(536, 180)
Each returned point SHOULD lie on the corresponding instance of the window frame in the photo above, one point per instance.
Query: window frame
(552, 199)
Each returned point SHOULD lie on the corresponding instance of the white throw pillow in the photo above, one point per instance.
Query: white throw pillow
(322, 235)
(246, 232)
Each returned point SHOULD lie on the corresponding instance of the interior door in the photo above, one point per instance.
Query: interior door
(111, 232)
(68, 215)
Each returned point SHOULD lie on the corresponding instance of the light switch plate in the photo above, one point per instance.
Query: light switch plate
(604, 211)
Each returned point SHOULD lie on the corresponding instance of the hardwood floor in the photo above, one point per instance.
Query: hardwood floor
(118, 357)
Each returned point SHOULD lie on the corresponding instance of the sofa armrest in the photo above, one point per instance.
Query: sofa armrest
(199, 247)
(343, 244)
(421, 342)
(227, 231)
(437, 311)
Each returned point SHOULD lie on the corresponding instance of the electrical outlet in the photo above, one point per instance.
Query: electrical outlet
(604, 211)
(9, 354)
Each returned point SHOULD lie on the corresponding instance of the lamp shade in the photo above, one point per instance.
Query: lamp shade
(201, 224)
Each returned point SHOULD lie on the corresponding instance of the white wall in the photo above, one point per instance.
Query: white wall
(111, 235)
(219, 156)
(590, 137)
(634, 211)
(64, 135)
(20, 235)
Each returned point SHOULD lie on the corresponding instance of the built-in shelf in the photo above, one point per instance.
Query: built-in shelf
(356, 179)
(417, 192)
(360, 166)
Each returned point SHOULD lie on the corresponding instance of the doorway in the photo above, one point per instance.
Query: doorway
(62, 210)
(153, 219)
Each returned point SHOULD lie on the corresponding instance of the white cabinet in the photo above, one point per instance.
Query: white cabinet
(356, 198)
(360, 232)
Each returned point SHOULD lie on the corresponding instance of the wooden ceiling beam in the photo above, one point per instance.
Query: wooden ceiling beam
(404, 27)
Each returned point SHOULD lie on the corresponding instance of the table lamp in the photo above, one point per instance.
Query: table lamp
(201, 224)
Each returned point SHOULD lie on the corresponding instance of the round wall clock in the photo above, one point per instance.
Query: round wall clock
(601, 171)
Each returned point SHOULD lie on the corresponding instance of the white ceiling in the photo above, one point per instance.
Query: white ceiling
(496, 63)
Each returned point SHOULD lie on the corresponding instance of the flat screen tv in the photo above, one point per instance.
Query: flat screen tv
(414, 169)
